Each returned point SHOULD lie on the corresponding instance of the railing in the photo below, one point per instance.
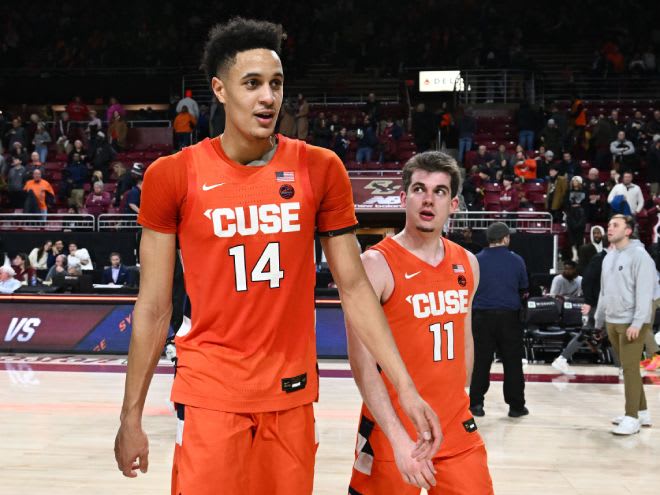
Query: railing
(117, 222)
(67, 222)
(82, 124)
(538, 222)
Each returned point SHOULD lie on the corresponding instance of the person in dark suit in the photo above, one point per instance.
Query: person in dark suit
(116, 273)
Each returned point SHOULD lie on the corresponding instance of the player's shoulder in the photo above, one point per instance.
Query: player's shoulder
(318, 156)
(373, 258)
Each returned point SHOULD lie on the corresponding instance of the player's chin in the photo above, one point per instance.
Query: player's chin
(426, 227)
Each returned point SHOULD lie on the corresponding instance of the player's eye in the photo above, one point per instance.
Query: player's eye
(418, 189)
(252, 83)
(276, 84)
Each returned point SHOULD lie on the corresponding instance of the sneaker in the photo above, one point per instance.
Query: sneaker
(170, 352)
(561, 365)
(643, 416)
(627, 426)
(478, 410)
(654, 364)
(516, 413)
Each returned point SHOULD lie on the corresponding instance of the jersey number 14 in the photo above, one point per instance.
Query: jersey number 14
(267, 268)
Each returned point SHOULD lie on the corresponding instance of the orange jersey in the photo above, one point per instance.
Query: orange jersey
(39, 189)
(247, 242)
(426, 312)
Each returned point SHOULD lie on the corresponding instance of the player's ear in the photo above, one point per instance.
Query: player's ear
(402, 198)
(453, 205)
(218, 88)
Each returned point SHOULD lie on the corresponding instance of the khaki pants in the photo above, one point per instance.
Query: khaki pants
(629, 353)
(649, 341)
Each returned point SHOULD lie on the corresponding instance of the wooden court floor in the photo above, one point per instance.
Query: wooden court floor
(58, 421)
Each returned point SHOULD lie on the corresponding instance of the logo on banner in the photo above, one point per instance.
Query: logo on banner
(383, 186)
(22, 329)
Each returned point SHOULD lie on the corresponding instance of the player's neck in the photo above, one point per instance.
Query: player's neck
(242, 150)
(425, 245)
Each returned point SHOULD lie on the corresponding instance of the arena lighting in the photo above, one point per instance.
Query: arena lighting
(440, 81)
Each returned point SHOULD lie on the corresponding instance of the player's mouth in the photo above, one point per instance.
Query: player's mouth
(265, 117)
(426, 215)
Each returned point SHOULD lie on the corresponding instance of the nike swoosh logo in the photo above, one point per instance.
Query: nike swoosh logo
(411, 275)
(208, 188)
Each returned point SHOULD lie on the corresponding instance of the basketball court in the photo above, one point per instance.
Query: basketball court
(59, 415)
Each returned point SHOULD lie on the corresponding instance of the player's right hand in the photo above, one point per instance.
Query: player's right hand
(417, 473)
(131, 450)
(426, 423)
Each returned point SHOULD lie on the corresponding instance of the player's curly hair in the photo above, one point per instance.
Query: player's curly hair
(433, 161)
(238, 35)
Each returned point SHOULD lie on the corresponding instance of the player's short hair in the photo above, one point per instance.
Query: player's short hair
(629, 219)
(433, 161)
(114, 253)
(238, 35)
(570, 263)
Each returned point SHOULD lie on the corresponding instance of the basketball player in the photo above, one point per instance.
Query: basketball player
(245, 207)
(426, 284)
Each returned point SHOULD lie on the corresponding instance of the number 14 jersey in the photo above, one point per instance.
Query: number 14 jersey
(247, 243)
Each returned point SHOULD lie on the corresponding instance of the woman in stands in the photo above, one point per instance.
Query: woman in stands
(38, 257)
(24, 272)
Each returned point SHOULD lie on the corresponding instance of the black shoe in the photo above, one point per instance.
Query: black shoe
(516, 413)
(477, 410)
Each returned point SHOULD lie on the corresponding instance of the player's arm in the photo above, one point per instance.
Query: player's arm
(151, 319)
(365, 316)
(469, 340)
(372, 388)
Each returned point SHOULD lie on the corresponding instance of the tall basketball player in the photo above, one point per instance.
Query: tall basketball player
(426, 284)
(245, 207)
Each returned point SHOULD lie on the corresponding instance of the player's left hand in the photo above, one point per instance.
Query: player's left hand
(427, 425)
(632, 333)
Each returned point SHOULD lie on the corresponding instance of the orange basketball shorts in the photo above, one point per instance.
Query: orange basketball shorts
(220, 452)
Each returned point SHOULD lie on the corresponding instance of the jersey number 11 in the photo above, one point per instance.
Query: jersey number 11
(437, 329)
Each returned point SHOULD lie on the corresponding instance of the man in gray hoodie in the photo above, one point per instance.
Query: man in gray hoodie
(627, 286)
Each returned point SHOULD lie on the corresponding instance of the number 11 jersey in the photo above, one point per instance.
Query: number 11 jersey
(247, 243)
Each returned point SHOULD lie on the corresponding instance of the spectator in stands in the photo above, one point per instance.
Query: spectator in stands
(133, 196)
(578, 118)
(114, 106)
(576, 214)
(184, 123)
(424, 128)
(635, 127)
(567, 166)
(8, 282)
(587, 251)
(543, 164)
(341, 144)
(98, 201)
(466, 127)
(116, 273)
(125, 181)
(524, 167)
(189, 102)
(24, 272)
(509, 197)
(389, 139)
(653, 166)
(16, 134)
(367, 141)
(302, 117)
(56, 250)
(38, 257)
(615, 123)
(74, 178)
(557, 190)
(117, 131)
(94, 125)
(79, 148)
(288, 119)
(652, 127)
(551, 137)
(63, 132)
(623, 151)
(97, 176)
(79, 257)
(503, 159)
(78, 111)
(626, 198)
(40, 142)
(15, 182)
(472, 189)
(103, 153)
(568, 283)
(527, 123)
(37, 191)
(34, 164)
(19, 151)
(467, 241)
(372, 108)
(322, 134)
(59, 266)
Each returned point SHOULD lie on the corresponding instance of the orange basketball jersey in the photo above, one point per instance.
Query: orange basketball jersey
(247, 242)
(426, 312)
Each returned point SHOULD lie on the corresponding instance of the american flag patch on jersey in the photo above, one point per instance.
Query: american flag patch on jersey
(458, 268)
(285, 177)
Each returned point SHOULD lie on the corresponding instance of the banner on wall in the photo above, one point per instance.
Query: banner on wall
(380, 193)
